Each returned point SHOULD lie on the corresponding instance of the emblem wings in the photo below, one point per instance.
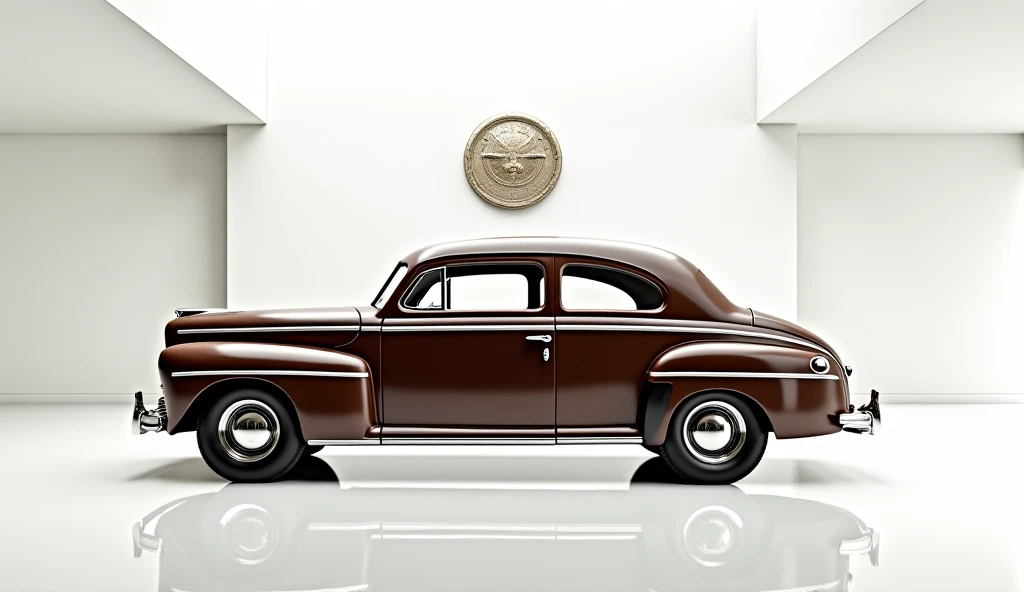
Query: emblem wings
(513, 152)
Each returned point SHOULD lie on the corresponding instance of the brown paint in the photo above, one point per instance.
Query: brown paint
(795, 407)
(428, 381)
(327, 408)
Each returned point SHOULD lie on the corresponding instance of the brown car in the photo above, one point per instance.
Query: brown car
(506, 341)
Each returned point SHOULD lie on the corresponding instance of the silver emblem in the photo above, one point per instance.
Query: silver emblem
(512, 160)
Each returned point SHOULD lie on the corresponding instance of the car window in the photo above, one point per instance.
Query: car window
(478, 286)
(426, 292)
(488, 292)
(596, 287)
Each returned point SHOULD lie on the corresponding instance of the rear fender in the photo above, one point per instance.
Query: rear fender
(793, 400)
(331, 391)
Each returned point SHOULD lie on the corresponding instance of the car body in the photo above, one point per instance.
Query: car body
(519, 365)
(319, 536)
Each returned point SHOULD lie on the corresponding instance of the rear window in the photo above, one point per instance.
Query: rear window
(596, 287)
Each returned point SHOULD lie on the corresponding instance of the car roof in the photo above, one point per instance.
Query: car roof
(690, 294)
(657, 261)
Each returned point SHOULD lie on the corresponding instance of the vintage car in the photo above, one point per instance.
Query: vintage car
(506, 341)
(319, 536)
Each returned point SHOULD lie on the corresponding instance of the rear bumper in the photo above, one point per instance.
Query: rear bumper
(145, 420)
(867, 419)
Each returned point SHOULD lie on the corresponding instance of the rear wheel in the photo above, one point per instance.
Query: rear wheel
(714, 438)
(248, 435)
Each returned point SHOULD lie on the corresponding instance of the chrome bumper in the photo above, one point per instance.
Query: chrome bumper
(867, 419)
(146, 420)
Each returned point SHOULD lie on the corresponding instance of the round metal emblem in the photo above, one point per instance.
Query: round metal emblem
(513, 160)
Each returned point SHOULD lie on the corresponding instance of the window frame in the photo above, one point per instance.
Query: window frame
(611, 311)
(415, 281)
(483, 312)
(387, 284)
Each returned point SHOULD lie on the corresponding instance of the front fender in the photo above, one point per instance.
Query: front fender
(778, 379)
(331, 391)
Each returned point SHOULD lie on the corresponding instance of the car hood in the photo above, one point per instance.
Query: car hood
(767, 321)
(237, 323)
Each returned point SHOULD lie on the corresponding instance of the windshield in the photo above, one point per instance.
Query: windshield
(389, 286)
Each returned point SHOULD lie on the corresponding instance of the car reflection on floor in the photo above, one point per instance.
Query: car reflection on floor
(316, 535)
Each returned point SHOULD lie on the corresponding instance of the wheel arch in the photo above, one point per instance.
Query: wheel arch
(189, 419)
(660, 406)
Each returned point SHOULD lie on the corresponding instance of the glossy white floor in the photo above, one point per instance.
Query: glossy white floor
(934, 499)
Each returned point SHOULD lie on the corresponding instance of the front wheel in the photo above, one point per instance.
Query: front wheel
(714, 438)
(249, 436)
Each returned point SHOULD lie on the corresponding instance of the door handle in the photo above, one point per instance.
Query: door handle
(544, 338)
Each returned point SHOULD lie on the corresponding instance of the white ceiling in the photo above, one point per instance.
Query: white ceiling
(799, 40)
(225, 40)
(81, 66)
(948, 66)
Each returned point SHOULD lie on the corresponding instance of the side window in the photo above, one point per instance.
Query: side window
(483, 287)
(426, 291)
(595, 287)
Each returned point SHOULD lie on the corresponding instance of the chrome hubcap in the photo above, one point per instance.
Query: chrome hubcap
(714, 432)
(248, 430)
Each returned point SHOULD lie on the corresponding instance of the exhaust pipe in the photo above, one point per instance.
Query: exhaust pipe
(144, 420)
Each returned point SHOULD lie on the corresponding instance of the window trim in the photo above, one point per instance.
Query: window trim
(445, 288)
(380, 293)
(657, 286)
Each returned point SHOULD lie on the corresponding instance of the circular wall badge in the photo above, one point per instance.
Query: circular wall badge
(513, 160)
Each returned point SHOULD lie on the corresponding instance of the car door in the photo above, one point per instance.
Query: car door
(469, 352)
(605, 344)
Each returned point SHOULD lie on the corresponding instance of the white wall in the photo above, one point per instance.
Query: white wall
(372, 103)
(101, 237)
(912, 259)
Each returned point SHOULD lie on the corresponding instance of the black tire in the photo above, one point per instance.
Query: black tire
(728, 464)
(311, 450)
(270, 462)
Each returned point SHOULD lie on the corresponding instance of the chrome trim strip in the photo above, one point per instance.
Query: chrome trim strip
(296, 329)
(418, 328)
(600, 439)
(798, 375)
(270, 373)
(466, 441)
(365, 442)
(687, 329)
(370, 328)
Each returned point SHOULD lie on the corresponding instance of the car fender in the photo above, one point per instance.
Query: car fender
(331, 391)
(795, 400)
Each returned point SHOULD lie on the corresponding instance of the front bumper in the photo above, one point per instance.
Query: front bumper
(145, 420)
(866, 419)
